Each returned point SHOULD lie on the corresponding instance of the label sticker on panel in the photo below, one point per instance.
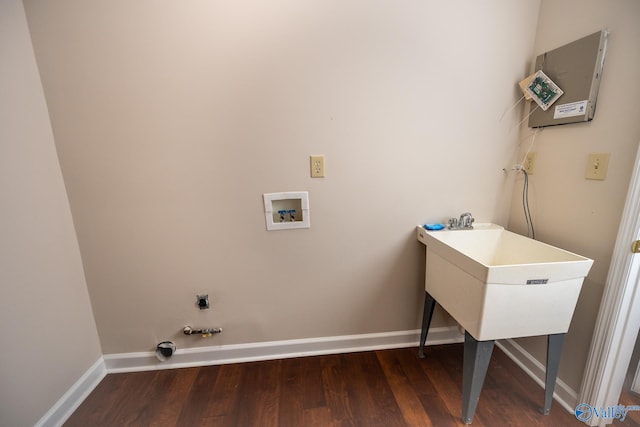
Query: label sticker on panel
(572, 109)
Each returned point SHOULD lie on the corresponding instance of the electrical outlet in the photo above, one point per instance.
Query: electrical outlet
(317, 166)
(529, 163)
(597, 164)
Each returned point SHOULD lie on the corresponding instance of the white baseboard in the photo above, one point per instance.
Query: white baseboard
(563, 394)
(223, 354)
(69, 402)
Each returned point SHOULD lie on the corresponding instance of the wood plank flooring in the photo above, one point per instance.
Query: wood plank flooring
(377, 388)
(628, 399)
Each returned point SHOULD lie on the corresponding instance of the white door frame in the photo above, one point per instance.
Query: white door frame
(618, 323)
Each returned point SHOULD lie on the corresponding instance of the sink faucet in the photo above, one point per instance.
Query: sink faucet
(465, 222)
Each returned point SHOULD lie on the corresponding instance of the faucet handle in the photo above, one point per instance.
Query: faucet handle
(466, 220)
(453, 223)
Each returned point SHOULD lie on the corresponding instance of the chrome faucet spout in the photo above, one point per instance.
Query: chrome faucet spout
(465, 222)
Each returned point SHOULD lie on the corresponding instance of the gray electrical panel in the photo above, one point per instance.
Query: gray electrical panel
(576, 68)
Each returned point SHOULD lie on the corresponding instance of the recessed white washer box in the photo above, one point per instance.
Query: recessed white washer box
(288, 210)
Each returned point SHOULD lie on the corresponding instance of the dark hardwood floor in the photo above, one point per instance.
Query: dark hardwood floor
(632, 419)
(377, 388)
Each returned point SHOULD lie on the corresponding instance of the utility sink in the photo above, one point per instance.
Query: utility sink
(498, 284)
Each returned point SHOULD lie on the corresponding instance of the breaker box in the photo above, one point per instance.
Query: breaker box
(577, 69)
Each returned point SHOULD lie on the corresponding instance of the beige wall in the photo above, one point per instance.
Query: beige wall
(577, 214)
(49, 337)
(172, 119)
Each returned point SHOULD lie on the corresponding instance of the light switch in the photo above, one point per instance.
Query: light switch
(597, 166)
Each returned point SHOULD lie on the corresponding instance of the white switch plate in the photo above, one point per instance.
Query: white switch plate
(597, 164)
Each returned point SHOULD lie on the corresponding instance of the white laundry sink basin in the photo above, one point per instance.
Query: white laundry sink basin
(498, 284)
